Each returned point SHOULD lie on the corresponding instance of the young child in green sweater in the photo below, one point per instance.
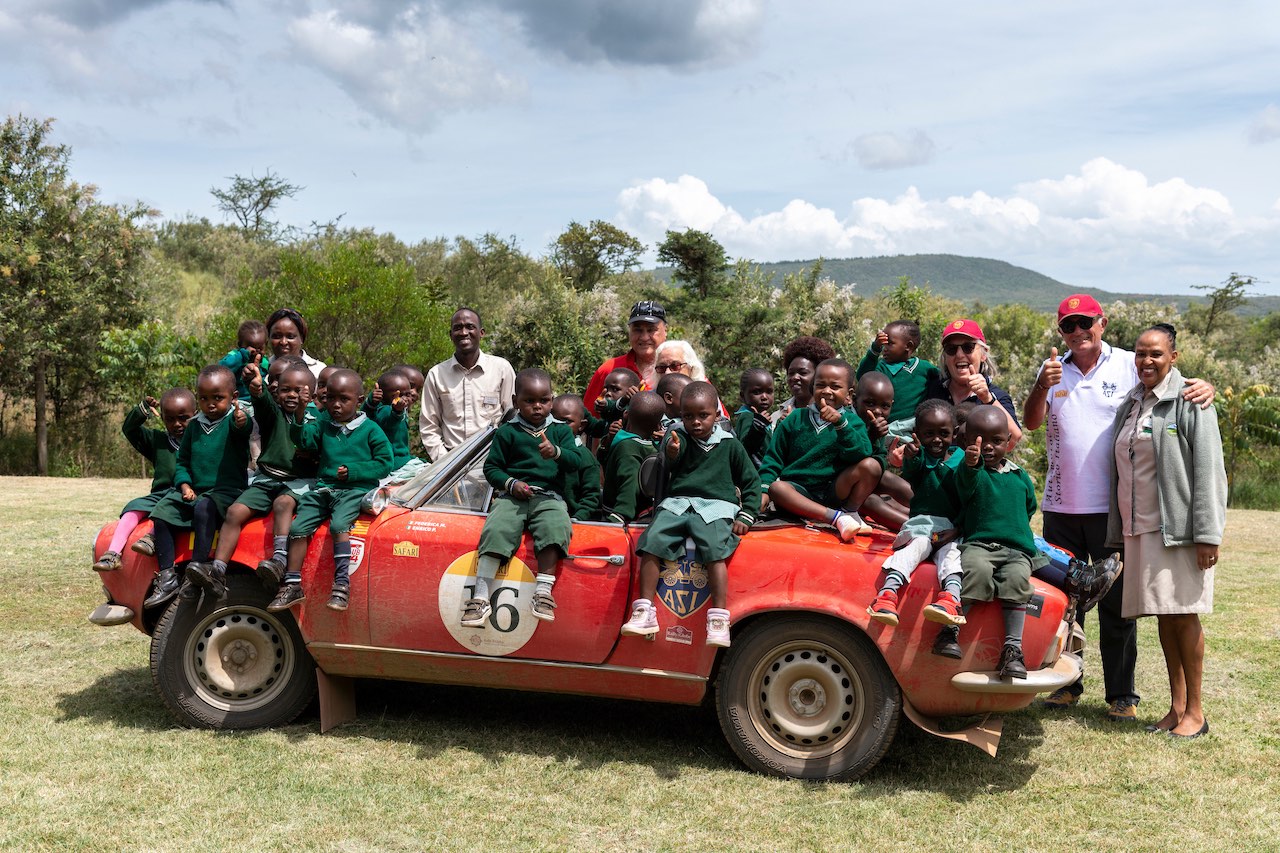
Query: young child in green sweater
(611, 407)
(751, 423)
(709, 469)
(996, 500)
(893, 354)
(820, 463)
(159, 446)
(624, 500)
(354, 456)
(251, 342)
(532, 462)
(582, 496)
(283, 476)
(388, 404)
(209, 474)
(669, 388)
(929, 462)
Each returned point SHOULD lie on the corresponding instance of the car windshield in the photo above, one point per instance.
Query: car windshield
(418, 488)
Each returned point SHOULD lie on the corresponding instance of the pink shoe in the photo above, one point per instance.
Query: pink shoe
(643, 621)
(718, 627)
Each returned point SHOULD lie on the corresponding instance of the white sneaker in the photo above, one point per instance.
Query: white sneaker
(718, 627)
(643, 621)
(849, 525)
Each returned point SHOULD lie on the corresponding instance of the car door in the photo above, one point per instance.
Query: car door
(422, 566)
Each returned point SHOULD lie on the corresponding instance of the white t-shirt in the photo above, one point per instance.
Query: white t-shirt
(1078, 431)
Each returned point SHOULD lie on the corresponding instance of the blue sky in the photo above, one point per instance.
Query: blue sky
(1129, 148)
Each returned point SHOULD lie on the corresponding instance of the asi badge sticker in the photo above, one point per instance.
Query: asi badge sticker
(510, 594)
(682, 586)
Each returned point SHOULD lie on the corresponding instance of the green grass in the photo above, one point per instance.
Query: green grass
(90, 759)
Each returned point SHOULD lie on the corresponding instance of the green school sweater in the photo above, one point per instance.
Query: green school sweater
(583, 500)
(154, 445)
(214, 457)
(928, 478)
(514, 455)
(358, 444)
(715, 473)
(910, 380)
(753, 432)
(395, 426)
(996, 506)
(623, 499)
(237, 360)
(280, 456)
(799, 453)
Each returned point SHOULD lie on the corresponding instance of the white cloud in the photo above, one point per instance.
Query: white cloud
(893, 150)
(1266, 127)
(421, 66)
(1106, 223)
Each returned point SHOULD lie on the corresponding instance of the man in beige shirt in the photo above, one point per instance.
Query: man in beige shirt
(465, 393)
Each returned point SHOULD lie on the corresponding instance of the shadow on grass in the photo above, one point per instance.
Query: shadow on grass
(125, 698)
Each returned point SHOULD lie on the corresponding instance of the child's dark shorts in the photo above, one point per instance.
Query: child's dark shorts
(263, 492)
(823, 493)
(665, 535)
(172, 509)
(545, 517)
(994, 571)
(340, 507)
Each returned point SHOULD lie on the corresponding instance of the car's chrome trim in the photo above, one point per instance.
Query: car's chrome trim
(1066, 670)
(621, 670)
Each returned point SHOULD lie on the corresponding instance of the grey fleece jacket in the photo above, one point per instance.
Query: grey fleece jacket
(1190, 478)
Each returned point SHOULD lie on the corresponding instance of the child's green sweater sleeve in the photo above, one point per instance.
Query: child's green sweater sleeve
(182, 467)
(378, 465)
(587, 494)
(870, 362)
(775, 454)
(136, 433)
(852, 440)
(747, 479)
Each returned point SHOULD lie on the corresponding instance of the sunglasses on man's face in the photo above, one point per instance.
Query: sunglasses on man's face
(1070, 324)
(967, 346)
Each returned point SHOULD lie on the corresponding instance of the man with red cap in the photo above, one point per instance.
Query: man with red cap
(1078, 395)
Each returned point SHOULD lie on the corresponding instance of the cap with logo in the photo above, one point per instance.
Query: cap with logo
(1079, 304)
(647, 311)
(968, 328)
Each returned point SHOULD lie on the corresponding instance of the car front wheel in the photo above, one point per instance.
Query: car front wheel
(231, 664)
(807, 698)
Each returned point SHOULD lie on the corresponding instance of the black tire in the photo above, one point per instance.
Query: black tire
(807, 698)
(231, 664)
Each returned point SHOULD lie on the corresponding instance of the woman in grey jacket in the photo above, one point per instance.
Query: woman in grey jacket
(1168, 509)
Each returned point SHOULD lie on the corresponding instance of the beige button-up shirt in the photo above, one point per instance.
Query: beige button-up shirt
(458, 402)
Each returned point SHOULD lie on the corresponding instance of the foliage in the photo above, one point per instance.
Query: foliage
(249, 201)
(147, 360)
(1248, 418)
(68, 272)
(586, 254)
(699, 261)
(485, 273)
(1223, 299)
(365, 310)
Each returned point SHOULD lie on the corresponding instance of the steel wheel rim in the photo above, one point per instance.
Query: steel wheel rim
(239, 658)
(805, 699)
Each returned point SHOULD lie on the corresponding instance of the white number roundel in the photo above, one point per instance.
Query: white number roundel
(510, 623)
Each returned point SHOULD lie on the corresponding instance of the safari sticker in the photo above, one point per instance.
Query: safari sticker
(405, 549)
(510, 624)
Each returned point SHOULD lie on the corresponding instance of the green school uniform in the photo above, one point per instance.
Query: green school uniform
(995, 506)
(395, 426)
(623, 499)
(359, 445)
(753, 431)
(237, 360)
(910, 380)
(808, 453)
(156, 446)
(929, 478)
(514, 456)
(583, 498)
(212, 459)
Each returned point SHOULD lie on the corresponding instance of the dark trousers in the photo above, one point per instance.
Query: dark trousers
(1085, 536)
(205, 522)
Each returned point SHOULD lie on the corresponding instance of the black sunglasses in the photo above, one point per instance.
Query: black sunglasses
(1070, 324)
(952, 349)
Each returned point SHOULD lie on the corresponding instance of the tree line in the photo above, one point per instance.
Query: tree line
(105, 303)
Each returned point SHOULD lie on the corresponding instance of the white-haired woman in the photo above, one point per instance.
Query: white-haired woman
(681, 357)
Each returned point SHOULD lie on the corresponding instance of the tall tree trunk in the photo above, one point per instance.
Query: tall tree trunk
(42, 421)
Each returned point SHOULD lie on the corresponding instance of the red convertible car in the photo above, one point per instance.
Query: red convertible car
(810, 688)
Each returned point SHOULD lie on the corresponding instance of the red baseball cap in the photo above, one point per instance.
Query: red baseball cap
(968, 328)
(1079, 303)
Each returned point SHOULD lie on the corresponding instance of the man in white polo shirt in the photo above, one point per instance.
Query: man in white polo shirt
(465, 393)
(1079, 396)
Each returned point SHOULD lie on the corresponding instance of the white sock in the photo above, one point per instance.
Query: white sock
(544, 584)
(482, 588)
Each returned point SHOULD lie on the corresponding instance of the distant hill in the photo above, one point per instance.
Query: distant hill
(970, 280)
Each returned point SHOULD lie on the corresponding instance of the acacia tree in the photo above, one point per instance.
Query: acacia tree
(249, 200)
(68, 272)
(586, 254)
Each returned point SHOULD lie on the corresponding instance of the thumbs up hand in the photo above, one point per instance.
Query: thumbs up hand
(973, 454)
(673, 446)
(1051, 373)
(546, 448)
(829, 413)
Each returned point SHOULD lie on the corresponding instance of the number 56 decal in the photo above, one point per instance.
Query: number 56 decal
(510, 625)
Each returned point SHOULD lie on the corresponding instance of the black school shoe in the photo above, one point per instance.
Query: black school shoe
(289, 595)
(1090, 582)
(208, 577)
(271, 573)
(167, 583)
(1011, 662)
(947, 643)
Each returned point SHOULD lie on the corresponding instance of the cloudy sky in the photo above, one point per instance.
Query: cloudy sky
(1130, 146)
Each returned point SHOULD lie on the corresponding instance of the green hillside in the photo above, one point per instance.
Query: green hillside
(984, 280)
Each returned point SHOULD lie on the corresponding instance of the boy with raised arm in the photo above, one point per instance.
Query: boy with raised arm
(623, 499)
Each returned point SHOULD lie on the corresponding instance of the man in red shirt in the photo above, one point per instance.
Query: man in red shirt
(646, 329)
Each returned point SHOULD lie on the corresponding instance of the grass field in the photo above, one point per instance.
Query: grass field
(89, 758)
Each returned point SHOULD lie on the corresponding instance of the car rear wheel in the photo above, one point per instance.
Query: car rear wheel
(807, 698)
(231, 664)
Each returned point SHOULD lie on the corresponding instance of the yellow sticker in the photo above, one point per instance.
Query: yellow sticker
(405, 549)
